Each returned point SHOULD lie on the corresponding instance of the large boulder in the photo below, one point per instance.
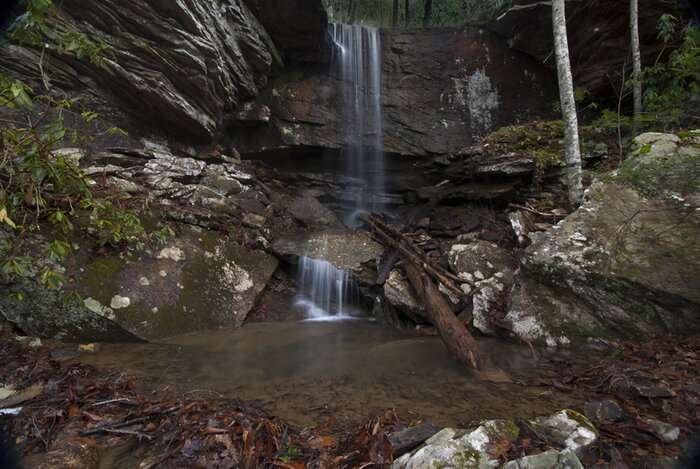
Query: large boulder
(626, 263)
(199, 281)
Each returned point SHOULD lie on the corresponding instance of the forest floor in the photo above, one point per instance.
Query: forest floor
(72, 414)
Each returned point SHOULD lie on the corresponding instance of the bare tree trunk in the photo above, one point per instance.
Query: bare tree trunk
(395, 14)
(427, 13)
(568, 104)
(352, 11)
(636, 62)
(407, 12)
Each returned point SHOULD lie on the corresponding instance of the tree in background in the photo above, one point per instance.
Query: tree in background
(636, 60)
(568, 104)
(441, 12)
(395, 14)
(427, 12)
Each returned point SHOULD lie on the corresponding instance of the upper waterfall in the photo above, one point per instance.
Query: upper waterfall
(357, 61)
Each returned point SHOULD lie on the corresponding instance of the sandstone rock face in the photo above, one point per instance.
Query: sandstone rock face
(598, 33)
(177, 66)
(441, 90)
(622, 265)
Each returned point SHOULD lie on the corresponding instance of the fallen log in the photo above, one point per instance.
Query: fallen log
(410, 255)
(453, 333)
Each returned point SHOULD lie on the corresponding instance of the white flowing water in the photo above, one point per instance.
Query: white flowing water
(357, 62)
(325, 290)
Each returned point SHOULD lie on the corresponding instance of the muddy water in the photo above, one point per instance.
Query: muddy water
(307, 371)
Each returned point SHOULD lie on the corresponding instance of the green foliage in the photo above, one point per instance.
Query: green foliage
(44, 197)
(672, 88)
(671, 176)
(378, 13)
(539, 140)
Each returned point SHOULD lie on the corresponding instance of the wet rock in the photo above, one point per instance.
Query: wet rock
(310, 212)
(551, 459)
(399, 293)
(408, 438)
(342, 248)
(387, 315)
(664, 431)
(603, 411)
(652, 391)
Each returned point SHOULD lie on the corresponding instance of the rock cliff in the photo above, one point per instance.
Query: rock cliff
(598, 33)
(441, 90)
(175, 66)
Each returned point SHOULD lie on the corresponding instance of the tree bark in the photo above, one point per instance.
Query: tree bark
(352, 11)
(395, 14)
(407, 12)
(568, 104)
(454, 334)
(427, 13)
(636, 61)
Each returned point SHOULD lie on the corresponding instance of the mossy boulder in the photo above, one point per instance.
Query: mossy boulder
(199, 281)
(626, 263)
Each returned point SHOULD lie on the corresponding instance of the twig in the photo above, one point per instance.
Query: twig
(532, 210)
(107, 428)
(123, 400)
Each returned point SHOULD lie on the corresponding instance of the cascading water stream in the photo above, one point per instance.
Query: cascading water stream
(325, 290)
(357, 63)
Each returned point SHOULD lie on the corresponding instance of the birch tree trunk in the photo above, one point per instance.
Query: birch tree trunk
(568, 104)
(636, 61)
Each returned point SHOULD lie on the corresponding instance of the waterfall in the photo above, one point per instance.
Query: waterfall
(325, 290)
(357, 62)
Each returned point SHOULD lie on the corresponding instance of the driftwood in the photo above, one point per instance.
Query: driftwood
(420, 272)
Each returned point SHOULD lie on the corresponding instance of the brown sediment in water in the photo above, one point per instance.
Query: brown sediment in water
(308, 371)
